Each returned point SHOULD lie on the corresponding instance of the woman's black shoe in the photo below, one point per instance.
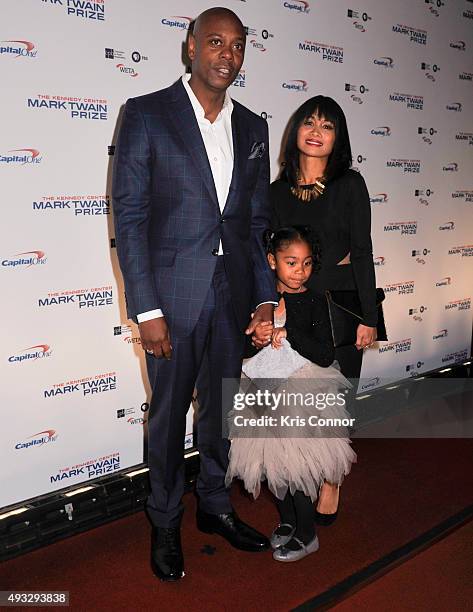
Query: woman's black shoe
(325, 519)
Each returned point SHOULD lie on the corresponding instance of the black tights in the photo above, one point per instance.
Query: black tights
(298, 511)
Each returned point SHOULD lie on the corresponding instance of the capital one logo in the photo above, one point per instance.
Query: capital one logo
(300, 6)
(295, 85)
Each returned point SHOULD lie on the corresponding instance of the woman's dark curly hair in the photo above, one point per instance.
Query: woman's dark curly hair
(284, 236)
(340, 159)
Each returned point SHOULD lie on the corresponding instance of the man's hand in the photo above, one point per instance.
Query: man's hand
(278, 334)
(155, 337)
(365, 336)
(263, 314)
(262, 334)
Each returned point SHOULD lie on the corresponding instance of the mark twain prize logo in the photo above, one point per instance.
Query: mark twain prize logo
(455, 107)
(328, 53)
(32, 353)
(297, 6)
(416, 313)
(357, 92)
(76, 108)
(459, 45)
(95, 11)
(466, 137)
(18, 48)
(26, 259)
(127, 333)
(465, 250)
(178, 22)
(456, 305)
(403, 288)
(38, 439)
(240, 80)
(456, 356)
(466, 76)
(78, 205)
(408, 166)
(92, 385)
(398, 346)
(379, 261)
(420, 255)
(21, 157)
(442, 333)
(295, 85)
(427, 134)
(91, 468)
(463, 194)
(384, 61)
(83, 299)
(413, 34)
(450, 167)
(411, 101)
(359, 19)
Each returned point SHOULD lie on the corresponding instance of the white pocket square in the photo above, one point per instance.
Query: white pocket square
(257, 150)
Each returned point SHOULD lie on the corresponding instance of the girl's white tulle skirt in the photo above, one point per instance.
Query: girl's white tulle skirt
(293, 458)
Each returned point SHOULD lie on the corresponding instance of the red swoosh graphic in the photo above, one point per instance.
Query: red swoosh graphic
(34, 152)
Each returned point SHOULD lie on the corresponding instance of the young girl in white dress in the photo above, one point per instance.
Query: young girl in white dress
(295, 460)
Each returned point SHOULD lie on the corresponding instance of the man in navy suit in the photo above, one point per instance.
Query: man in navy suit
(190, 198)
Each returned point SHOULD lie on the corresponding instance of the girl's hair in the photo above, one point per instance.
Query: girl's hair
(340, 159)
(284, 236)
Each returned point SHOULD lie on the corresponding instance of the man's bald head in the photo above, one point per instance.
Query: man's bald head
(217, 12)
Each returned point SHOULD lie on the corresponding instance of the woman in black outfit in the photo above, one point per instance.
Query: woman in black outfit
(318, 188)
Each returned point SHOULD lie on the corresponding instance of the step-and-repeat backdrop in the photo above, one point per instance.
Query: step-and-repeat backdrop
(74, 388)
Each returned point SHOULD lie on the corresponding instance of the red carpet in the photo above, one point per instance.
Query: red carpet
(398, 490)
(440, 578)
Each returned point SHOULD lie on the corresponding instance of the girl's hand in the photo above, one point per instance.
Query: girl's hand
(262, 334)
(278, 334)
(365, 336)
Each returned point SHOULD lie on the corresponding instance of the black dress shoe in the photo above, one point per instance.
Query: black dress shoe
(236, 532)
(167, 561)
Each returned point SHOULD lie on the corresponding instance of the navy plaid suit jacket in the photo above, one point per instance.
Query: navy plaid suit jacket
(167, 218)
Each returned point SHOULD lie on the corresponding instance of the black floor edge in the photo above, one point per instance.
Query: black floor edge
(379, 567)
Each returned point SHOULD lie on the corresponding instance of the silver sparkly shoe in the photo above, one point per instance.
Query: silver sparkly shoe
(276, 540)
(287, 555)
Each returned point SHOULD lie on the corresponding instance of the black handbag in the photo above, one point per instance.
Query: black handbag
(344, 310)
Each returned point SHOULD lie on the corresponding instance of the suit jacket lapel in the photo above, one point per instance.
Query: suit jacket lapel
(184, 121)
(240, 148)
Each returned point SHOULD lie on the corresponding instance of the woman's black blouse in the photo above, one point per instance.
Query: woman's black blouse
(341, 221)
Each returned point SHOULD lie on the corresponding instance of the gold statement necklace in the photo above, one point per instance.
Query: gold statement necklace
(306, 193)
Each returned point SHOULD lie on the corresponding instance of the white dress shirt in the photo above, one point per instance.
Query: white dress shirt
(218, 142)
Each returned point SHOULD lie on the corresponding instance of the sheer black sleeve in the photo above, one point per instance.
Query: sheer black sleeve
(361, 250)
